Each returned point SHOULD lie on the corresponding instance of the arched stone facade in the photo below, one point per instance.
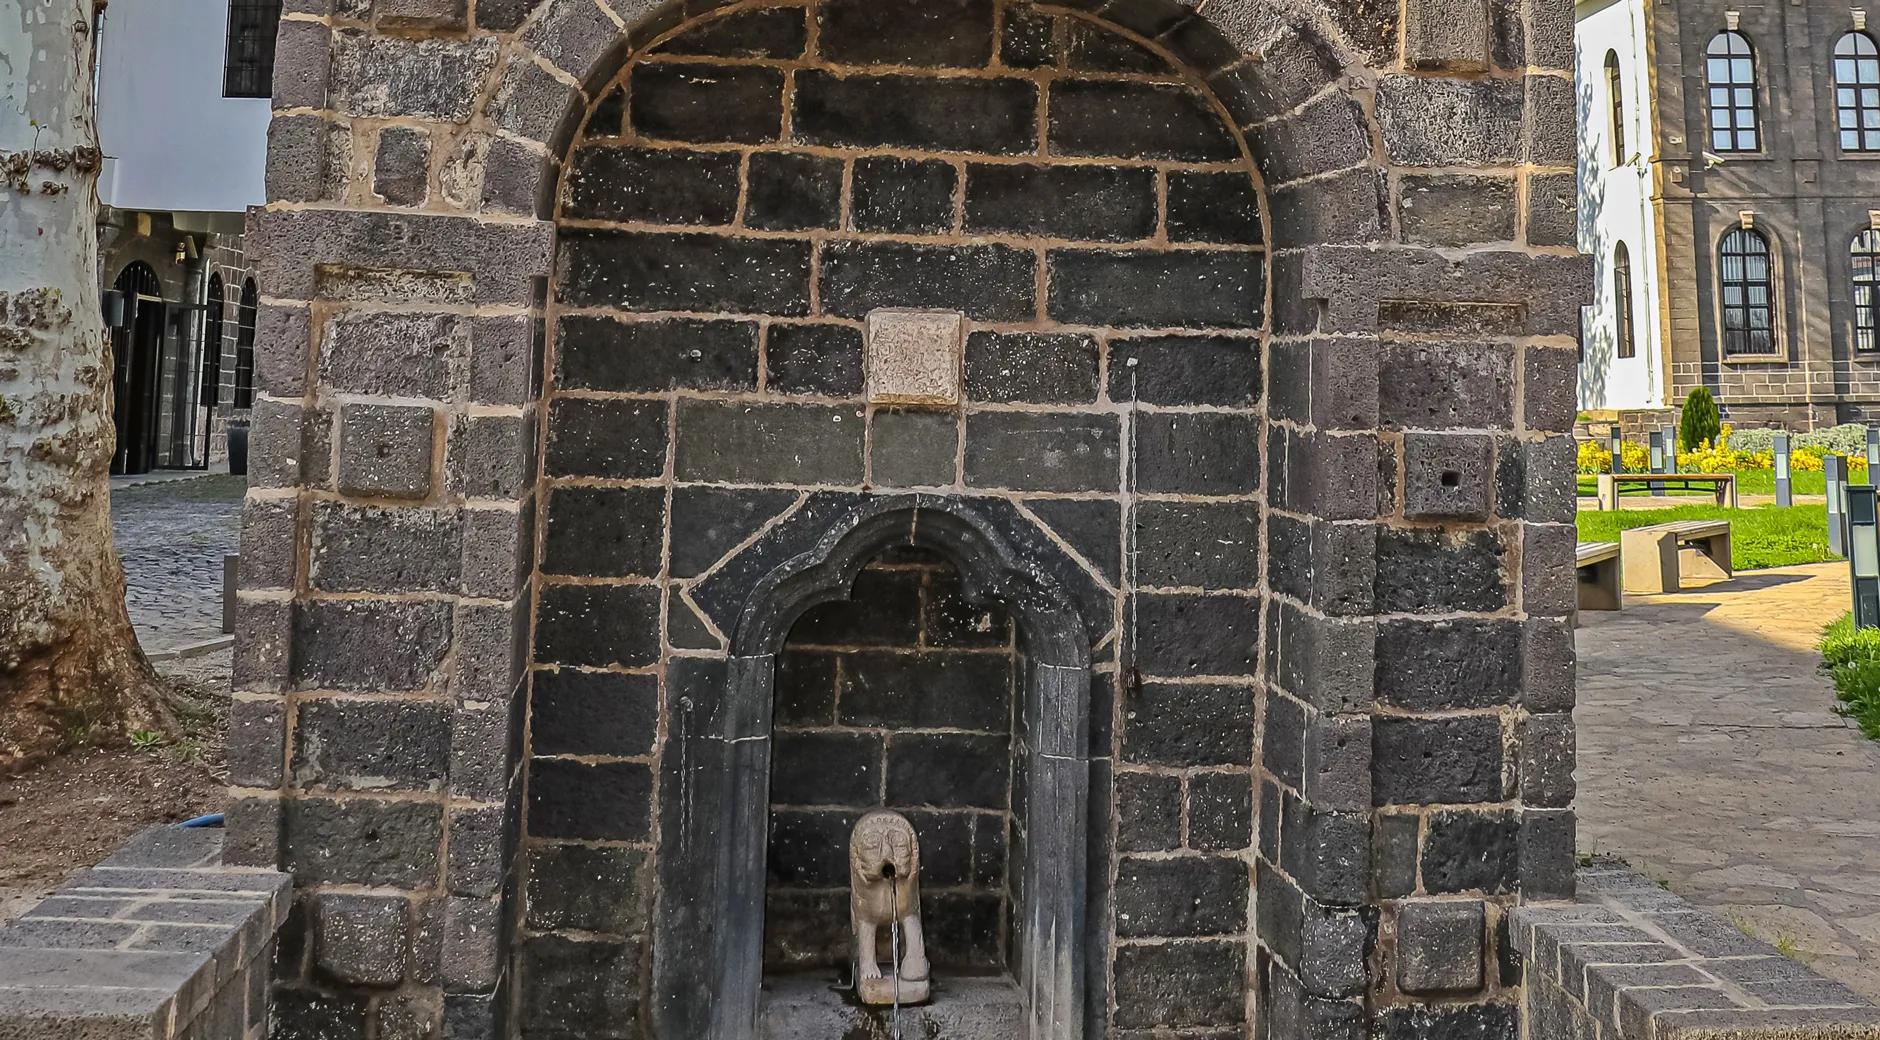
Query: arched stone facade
(1411, 665)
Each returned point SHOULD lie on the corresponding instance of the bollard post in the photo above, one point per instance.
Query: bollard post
(1657, 440)
(1834, 468)
(1785, 495)
(1873, 451)
(1863, 556)
(1671, 449)
(1613, 441)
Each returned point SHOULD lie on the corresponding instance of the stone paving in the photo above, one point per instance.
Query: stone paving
(172, 536)
(1711, 758)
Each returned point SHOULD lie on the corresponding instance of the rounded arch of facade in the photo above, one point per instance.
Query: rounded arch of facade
(1259, 62)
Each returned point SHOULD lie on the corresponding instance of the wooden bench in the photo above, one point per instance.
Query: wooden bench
(1658, 558)
(1598, 567)
(1720, 485)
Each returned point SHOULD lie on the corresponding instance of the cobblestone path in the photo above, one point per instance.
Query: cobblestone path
(1711, 758)
(172, 536)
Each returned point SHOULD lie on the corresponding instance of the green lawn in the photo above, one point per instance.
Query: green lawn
(1748, 482)
(1853, 659)
(1762, 537)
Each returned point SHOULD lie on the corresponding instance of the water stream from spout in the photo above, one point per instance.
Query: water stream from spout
(894, 948)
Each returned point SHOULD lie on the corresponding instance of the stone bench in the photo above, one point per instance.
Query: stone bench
(159, 942)
(1658, 558)
(1627, 960)
(1598, 567)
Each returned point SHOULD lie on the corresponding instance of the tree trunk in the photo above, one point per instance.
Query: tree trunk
(69, 660)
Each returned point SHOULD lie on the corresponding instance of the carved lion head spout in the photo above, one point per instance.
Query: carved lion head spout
(883, 846)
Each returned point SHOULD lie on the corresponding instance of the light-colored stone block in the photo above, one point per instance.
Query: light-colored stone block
(914, 357)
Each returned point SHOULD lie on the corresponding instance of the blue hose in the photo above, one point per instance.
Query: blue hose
(211, 820)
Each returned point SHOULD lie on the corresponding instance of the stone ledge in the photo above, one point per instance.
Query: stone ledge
(157, 941)
(1628, 960)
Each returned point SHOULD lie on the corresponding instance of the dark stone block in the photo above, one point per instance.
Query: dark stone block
(1186, 370)
(365, 549)
(810, 848)
(966, 931)
(300, 1014)
(775, 32)
(1198, 545)
(1192, 895)
(1040, 451)
(369, 646)
(883, 609)
(655, 185)
(1092, 528)
(902, 196)
(805, 688)
(1089, 203)
(605, 801)
(1181, 985)
(708, 522)
(1026, 40)
(1394, 855)
(619, 440)
(1093, 48)
(1426, 571)
(946, 845)
(913, 448)
(696, 272)
(987, 283)
(706, 102)
(998, 116)
(1453, 663)
(1440, 945)
(1207, 453)
(604, 532)
(593, 713)
(371, 745)
(587, 889)
(362, 940)
(1213, 207)
(1136, 121)
(1454, 210)
(1189, 724)
(1454, 1022)
(950, 33)
(898, 690)
(826, 768)
(580, 987)
(769, 443)
(1148, 811)
(1472, 850)
(949, 619)
(362, 842)
(402, 166)
(819, 360)
(1443, 386)
(597, 625)
(1180, 635)
(948, 770)
(1433, 761)
(1220, 811)
(1157, 289)
(793, 192)
(1031, 367)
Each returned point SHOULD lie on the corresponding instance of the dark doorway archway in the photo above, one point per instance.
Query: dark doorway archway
(136, 352)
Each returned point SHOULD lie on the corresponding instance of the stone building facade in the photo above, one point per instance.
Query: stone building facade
(661, 407)
(1793, 183)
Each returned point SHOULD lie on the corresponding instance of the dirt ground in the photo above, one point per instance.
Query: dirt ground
(77, 809)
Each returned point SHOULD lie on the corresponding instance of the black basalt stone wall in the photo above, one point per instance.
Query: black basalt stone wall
(902, 696)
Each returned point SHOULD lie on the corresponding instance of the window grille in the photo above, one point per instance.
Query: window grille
(1747, 282)
(248, 68)
(1730, 72)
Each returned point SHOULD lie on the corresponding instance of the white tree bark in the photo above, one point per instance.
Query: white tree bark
(69, 659)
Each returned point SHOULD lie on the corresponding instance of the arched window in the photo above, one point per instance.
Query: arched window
(1615, 96)
(1857, 92)
(213, 303)
(1622, 300)
(1730, 70)
(1865, 253)
(1747, 281)
(245, 346)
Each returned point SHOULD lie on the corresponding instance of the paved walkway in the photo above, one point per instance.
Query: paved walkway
(1711, 759)
(172, 535)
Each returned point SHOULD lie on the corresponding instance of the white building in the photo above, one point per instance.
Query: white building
(183, 109)
(1623, 359)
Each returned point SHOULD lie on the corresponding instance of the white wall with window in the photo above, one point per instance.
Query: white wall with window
(1622, 359)
(173, 140)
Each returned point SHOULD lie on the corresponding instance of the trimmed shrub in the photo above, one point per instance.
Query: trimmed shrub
(1700, 423)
